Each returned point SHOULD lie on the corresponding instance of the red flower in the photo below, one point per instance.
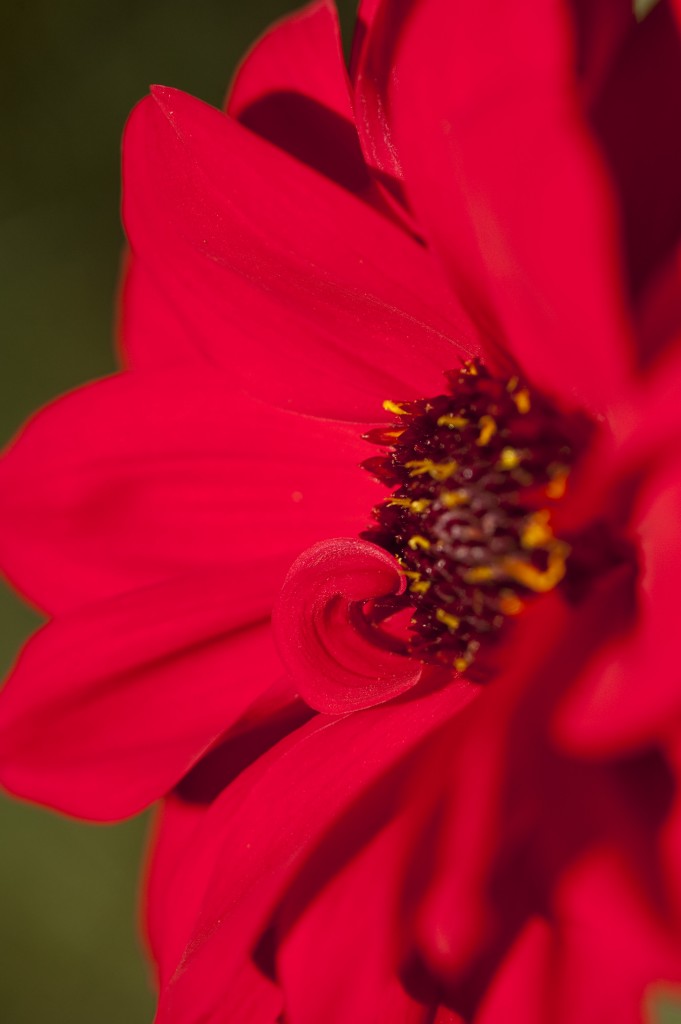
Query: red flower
(456, 846)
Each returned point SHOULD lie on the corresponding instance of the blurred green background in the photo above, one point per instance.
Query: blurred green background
(69, 74)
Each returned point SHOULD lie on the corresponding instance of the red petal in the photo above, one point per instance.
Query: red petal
(260, 831)
(608, 948)
(300, 54)
(630, 693)
(146, 476)
(518, 990)
(166, 897)
(635, 117)
(293, 90)
(336, 667)
(504, 179)
(326, 973)
(173, 900)
(311, 298)
(150, 330)
(109, 707)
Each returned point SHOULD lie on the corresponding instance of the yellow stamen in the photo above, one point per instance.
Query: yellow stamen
(522, 401)
(419, 505)
(420, 587)
(401, 502)
(541, 581)
(394, 407)
(450, 621)
(512, 385)
(488, 429)
(437, 470)
(417, 541)
(449, 420)
(461, 664)
(470, 368)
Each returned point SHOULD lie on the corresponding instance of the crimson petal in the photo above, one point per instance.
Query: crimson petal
(508, 187)
(336, 667)
(147, 476)
(293, 90)
(107, 708)
(305, 783)
(311, 298)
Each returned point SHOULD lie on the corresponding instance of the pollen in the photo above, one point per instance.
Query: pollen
(472, 475)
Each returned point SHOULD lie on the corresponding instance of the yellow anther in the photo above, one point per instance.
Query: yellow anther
(452, 499)
(470, 368)
(411, 575)
(419, 505)
(510, 603)
(449, 420)
(437, 470)
(512, 385)
(478, 574)
(558, 484)
(537, 533)
(488, 429)
(394, 407)
(461, 664)
(539, 580)
(509, 458)
(522, 401)
(392, 434)
(450, 621)
(401, 502)
(420, 587)
(417, 541)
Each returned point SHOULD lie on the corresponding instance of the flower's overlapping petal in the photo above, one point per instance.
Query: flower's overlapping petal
(631, 692)
(659, 312)
(242, 861)
(108, 707)
(172, 898)
(150, 330)
(311, 298)
(319, 950)
(293, 90)
(635, 118)
(301, 54)
(166, 891)
(629, 695)
(145, 476)
(501, 170)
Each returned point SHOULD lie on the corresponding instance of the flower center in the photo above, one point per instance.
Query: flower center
(475, 475)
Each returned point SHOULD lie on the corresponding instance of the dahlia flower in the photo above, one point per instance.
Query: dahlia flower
(401, 367)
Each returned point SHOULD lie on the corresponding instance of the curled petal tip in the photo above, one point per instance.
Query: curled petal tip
(322, 637)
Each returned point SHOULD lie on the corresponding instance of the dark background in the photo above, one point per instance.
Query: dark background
(69, 74)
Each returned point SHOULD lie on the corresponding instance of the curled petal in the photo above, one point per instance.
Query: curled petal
(336, 665)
